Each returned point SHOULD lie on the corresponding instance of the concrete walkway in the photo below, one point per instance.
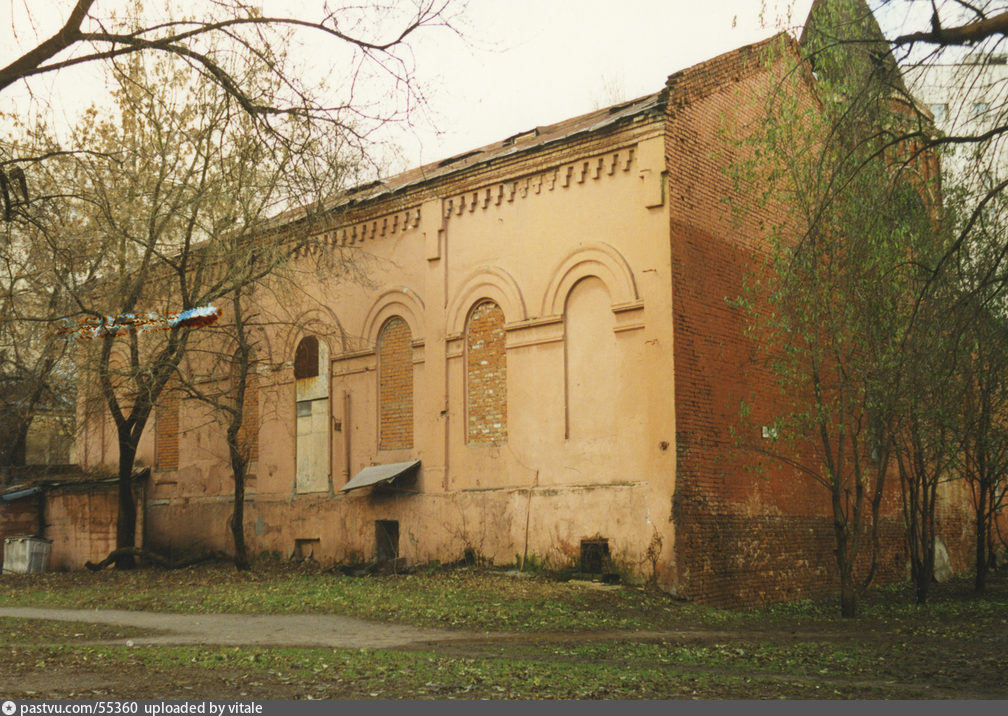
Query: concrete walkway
(326, 630)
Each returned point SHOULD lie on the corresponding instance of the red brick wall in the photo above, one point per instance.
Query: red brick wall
(486, 375)
(747, 532)
(166, 431)
(395, 385)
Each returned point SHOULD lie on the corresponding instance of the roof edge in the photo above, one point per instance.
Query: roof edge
(702, 79)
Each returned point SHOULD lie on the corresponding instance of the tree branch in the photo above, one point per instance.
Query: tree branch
(29, 62)
(968, 34)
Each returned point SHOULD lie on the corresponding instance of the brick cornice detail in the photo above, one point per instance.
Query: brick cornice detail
(563, 176)
(359, 232)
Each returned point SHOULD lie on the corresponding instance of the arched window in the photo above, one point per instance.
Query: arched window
(395, 385)
(486, 375)
(311, 395)
(306, 358)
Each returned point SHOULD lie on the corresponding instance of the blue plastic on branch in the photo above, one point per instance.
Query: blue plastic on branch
(100, 326)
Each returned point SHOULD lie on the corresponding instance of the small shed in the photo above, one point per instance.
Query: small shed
(75, 509)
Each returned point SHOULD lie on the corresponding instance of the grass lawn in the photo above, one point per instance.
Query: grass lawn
(565, 642)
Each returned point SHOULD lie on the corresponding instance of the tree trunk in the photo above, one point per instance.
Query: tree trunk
(845, 563)
(126, 524)
(848, 588)
(928, 496)
(980, 583)
(923, 584)
(157, 559)
(239, 464)
(848, 597)
(14, 454)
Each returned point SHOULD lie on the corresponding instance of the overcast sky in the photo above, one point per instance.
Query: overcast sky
(523, 63)
(513, 65)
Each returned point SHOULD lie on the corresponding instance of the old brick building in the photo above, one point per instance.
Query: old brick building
(544, 362)
(61, 503)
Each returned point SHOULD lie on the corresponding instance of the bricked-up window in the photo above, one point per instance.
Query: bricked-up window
(592, 356)
(306, 362)
(166, 431)
(486, 375)
(395, 385)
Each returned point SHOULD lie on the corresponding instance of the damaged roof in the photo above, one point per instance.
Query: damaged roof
(541, 137)
(688, 83)
(533, 139)
(24, 481)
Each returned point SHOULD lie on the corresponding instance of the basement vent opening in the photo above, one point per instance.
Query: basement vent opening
(386, 540)
(305, 549)
(595, 556)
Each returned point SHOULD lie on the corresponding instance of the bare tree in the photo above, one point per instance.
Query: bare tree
(377, 34)
(363, 50)
(222, 363)
(922, 36)
(151, 187)
(35, 369)
(177, 178)
(950, 23)
(35, 366)
(924, 426)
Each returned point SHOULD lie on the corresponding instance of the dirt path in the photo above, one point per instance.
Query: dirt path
(292, 630)
(78, 678)
(332, 630)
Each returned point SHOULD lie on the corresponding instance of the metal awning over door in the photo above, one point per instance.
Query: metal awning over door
(381, 474)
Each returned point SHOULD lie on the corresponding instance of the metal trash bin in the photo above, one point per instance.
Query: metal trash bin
(26, 555)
